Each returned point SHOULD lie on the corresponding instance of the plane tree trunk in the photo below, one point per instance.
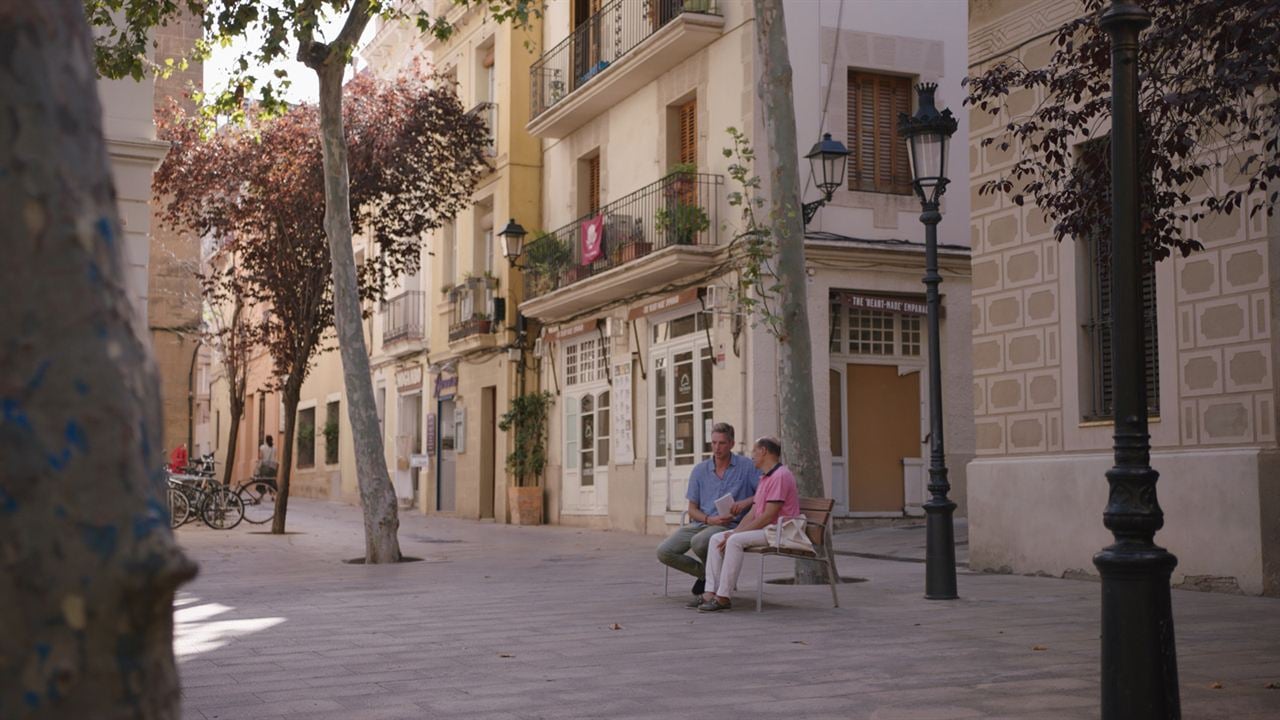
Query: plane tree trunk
(795, 361)
(377, 496)
(88, 564)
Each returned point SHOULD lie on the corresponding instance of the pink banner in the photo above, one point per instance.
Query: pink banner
(592, 239)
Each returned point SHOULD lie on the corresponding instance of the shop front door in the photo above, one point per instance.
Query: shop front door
(681, 394)
(884, 429)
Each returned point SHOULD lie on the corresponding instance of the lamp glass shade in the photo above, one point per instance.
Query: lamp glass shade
(927, 151)
(512, 240)
(827, 161)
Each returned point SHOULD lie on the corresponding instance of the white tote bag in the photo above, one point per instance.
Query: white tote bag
(791, 536)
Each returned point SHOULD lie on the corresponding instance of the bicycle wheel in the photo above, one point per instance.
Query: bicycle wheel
(179, 507)
(222, 509)
(259, 500)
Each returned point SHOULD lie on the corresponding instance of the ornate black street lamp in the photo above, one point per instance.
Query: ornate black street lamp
(928, 133)
(827, 161)
(513, 241)
(1139, 662)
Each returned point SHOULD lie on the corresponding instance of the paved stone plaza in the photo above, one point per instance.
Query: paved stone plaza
(510, 622)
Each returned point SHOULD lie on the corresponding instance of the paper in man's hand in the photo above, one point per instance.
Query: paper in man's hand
(724, 503)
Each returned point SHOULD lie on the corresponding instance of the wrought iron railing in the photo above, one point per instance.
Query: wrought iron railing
(488, 111)
(402, 317)
(680, 209)
(599, 41)
(472, 309)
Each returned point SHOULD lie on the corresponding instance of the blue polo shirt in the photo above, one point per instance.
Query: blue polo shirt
(740, 480)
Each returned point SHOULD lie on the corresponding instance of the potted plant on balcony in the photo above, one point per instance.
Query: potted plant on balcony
(681, 218)
(480, 323)
(546, 259)
(528, 457)
(681, 221)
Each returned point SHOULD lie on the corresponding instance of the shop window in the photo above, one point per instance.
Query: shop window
(863, 331)
(587, 426)
(871, 332)
(911, 335)
(586, 361)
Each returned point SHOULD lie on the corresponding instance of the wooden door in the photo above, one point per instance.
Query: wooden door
(884, 428)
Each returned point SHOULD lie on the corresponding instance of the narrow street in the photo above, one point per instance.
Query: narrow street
(502, 622)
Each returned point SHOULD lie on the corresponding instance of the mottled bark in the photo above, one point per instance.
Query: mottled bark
(795, 362)
(377, 496)
(88, 565)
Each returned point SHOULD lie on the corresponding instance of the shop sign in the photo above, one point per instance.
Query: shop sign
(431, 433)
(567, 331)
(623, 449)
(409, 378)
(666, 303)
(446, 385)
(419, 461)
(885, 303)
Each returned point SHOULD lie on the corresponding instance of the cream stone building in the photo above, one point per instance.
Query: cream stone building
(443, 364)
(160, 263)
(1037, 490)
(644, 346)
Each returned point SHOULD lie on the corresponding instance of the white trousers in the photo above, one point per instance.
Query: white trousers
(724, 559)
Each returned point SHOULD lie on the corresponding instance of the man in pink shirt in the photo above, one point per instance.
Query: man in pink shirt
(776, 499)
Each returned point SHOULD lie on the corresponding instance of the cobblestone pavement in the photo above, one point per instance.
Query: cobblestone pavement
(502, 622)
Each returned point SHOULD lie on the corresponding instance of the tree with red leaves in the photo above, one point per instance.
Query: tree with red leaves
(415, 156)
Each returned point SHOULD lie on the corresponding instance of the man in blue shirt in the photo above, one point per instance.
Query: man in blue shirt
(723, 474)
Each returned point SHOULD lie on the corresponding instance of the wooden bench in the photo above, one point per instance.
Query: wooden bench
(817, 525)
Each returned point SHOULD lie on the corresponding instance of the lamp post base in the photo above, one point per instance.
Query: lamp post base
(940, 550)
(1139, 661)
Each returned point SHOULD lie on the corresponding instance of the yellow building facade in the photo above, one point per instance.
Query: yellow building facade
(444, 367)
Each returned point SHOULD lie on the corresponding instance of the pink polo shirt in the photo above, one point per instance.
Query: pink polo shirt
(780, 485)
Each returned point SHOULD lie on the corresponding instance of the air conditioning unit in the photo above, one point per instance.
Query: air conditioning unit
(613, 327)
(716, 297)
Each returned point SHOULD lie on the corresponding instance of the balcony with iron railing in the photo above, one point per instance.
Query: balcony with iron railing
(473, 308)
(611, 55)
(663, 231)
(488, 111)
(402, 318)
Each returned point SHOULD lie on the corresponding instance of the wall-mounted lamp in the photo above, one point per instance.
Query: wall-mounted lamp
(827, 162)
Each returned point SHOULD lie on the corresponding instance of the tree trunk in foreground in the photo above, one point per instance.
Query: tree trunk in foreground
(88, 564)
(795, 361)
(377, 495)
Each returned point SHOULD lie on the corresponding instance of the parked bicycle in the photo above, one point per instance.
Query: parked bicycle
(258, 496)
(217, 505)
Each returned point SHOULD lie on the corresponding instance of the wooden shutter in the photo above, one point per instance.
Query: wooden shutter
(689, 132)
(878, 160)
(593, 185)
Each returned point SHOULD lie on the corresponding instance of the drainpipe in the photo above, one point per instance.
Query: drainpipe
(191, 399)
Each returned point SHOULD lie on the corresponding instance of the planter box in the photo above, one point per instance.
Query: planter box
(635, 250)
(576, 273)
(525, 504)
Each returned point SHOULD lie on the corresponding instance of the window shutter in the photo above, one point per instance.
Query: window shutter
(878, 160)
(593, 185)
(689, 132)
